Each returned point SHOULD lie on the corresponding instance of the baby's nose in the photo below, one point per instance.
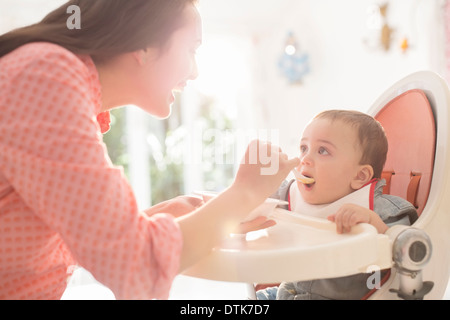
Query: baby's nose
(306, 159)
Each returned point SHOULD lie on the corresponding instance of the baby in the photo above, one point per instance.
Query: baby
(343, 152)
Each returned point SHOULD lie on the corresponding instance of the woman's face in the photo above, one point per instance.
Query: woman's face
(170, 68)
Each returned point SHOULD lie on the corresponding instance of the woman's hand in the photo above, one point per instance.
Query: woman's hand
(350, 215)
(262, 170)
(177, 206)
(258, 223)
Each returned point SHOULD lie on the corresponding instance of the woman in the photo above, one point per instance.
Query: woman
(62, 202)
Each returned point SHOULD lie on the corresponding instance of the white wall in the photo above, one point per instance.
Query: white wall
(15, 14)
(345, 73)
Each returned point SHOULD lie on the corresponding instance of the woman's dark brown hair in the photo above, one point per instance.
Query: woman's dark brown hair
(108, 27)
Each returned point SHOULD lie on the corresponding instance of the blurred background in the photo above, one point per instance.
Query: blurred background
(266, 68)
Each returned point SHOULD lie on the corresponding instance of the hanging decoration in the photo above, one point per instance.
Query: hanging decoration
(404, 46)
(386, 30)
(381, 32)
(293, 64)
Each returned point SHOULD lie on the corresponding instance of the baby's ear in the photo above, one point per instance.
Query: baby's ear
(363, 176)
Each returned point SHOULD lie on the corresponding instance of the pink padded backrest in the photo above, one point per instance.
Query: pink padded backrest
(411, 131)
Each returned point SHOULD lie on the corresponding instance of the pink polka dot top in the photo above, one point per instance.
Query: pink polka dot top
(62, 202)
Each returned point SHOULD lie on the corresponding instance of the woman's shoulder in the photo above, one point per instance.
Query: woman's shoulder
(41, 49)
(44, 47)
(43, 61)
(41, 54)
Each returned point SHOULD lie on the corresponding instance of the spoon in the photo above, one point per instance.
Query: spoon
(302, 178)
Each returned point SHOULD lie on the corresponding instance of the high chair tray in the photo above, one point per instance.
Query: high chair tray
(297, 248)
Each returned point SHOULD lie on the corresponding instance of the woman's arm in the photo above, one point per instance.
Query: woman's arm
(177, 206)
(204, 228)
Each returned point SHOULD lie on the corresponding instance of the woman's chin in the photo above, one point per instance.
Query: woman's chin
(163, 114)
(160, 110)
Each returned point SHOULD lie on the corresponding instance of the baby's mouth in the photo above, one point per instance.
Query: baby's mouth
(308, 181)
(303, 178)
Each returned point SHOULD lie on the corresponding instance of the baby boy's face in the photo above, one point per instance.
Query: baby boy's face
(329, 153)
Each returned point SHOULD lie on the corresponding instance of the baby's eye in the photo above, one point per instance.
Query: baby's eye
(303, 149)
(323, 151)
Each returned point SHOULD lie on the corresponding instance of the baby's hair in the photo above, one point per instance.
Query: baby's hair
(371, 135)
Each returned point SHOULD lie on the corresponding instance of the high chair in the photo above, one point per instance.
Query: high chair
(415, 115)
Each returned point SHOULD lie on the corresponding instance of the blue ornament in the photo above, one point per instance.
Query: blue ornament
(293, 64)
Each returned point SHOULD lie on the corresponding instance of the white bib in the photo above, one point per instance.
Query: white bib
(360, 197)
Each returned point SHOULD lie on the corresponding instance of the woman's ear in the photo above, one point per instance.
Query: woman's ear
(362, 177)
(140, 58)
(143, 56)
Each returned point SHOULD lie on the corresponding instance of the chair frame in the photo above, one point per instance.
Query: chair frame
(435, 217)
